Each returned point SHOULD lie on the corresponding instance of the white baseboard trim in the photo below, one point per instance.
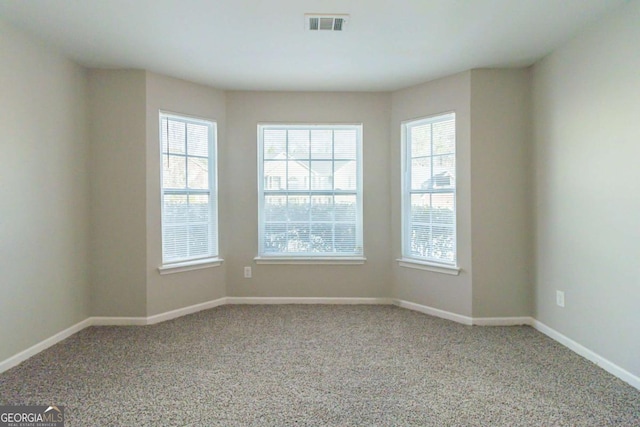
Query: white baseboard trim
(43, 345)
(502, 321)
(117, 321)
(465, 320)
(311, 300)
(173, 314)
(583, 351)
(157, 318)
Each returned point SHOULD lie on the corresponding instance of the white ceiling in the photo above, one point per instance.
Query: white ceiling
(262, 44)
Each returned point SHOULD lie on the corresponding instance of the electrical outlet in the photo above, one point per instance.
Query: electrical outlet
(247, 272)
(560, 298)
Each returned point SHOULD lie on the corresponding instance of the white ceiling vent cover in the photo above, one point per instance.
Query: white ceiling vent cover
(325, 22)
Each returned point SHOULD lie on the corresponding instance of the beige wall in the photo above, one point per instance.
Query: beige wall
(172, 291)
(44, 222)
(587, 198)
(441, 291)
(501, 221)
(117, 113)
(244, 111)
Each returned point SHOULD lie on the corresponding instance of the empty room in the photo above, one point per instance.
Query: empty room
(322, 213)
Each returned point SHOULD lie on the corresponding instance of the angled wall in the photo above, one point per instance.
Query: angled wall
(117, 113)
(437, 290)
(173, 291)
(501, 217)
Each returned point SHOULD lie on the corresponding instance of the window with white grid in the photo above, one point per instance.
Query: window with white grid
(189, 193)
(310, 190)
(429, 189)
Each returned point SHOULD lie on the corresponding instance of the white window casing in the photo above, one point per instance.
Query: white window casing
(189, 201)
(429, 194)
(310, 193)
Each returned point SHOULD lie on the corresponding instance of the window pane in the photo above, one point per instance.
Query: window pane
(345, 175)
(298, 208)
(298, 176)
(174, 172)
(275, 141)
(275, 208)
(198, 171)
(299, 144)
(443, 206)
(420, 140)
(174, 242)
(421, 241)
(444, 137)
(198, 240)
(346, 208)
(321, 175)
(345, 144)
(199, 208)
(321, 237)
(444, 172)
(275, 175)
(174, 209)
(421, 173)
(197, 140)
(321, 144)
(298, 237)
(443, 243)
(322, 208)
(275, 237)
(345, 238)
(173, 135)
(420, 208)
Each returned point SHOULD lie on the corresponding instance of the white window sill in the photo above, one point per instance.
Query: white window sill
(311, 260)
(198, 264)
(429, 266)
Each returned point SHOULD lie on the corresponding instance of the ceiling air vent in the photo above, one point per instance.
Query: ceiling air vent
(325, 22)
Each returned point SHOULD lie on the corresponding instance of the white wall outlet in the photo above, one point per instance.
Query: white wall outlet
(247, 272)
(560, 298)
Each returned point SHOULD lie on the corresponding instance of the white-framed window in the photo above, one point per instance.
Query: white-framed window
(310, 191)
(429, 190)
(189, 189)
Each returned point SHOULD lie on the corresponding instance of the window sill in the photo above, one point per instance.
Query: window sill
(199, 264)
(311, 260)
(429, 266)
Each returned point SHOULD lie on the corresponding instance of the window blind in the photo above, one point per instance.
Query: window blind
(189, 199)
(429, 189)
(310, 190)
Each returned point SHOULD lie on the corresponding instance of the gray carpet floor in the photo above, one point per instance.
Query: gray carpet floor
(319, 366)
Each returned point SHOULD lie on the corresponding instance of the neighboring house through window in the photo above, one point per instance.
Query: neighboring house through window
(429, 190)
(310, 191)
(189, 191)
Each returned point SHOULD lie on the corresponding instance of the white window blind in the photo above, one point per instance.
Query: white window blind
(189, 191)
(310, 190)
(429, 189)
